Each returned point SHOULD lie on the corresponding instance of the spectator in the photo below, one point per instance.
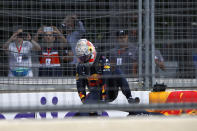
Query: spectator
(122, 59)
(53, 43)
(159, 62)
(73, 30)
(124, 54)
(19, 47)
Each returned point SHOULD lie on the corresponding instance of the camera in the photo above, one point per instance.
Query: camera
(64, 27)
(48, 29)
(22, 35)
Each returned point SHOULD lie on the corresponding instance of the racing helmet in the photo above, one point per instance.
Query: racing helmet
(85, 52)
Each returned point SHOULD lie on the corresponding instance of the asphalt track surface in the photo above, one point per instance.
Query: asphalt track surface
(135, 123)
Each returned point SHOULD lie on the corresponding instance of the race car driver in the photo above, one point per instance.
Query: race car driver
(94, 71)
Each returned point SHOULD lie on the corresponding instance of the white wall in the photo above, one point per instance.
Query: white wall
(59, 98)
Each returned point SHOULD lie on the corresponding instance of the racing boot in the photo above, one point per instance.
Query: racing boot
(135, 100)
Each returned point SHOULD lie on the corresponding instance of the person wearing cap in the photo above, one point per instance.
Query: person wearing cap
(19, 48)
(122, 58)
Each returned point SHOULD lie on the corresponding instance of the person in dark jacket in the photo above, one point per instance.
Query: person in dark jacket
(122, 58)
(94, 71)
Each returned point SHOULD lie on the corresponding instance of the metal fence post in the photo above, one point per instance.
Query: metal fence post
(140, 44)
(152, 14)
(147, 44)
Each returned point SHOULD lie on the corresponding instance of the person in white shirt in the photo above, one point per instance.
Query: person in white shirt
(19, 51)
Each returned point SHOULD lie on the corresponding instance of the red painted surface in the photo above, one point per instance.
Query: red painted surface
(180, 97)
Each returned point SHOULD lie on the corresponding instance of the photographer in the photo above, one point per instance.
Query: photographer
(19, 48)
(53, 43)
(73, 29)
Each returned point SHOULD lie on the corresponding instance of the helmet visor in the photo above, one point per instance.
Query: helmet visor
(84, 59)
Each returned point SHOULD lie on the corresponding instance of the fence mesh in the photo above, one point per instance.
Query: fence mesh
(175, 23)
(119, 29)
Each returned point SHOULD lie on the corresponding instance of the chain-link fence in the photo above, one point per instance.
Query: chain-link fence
(175, 23)
(149, 41)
